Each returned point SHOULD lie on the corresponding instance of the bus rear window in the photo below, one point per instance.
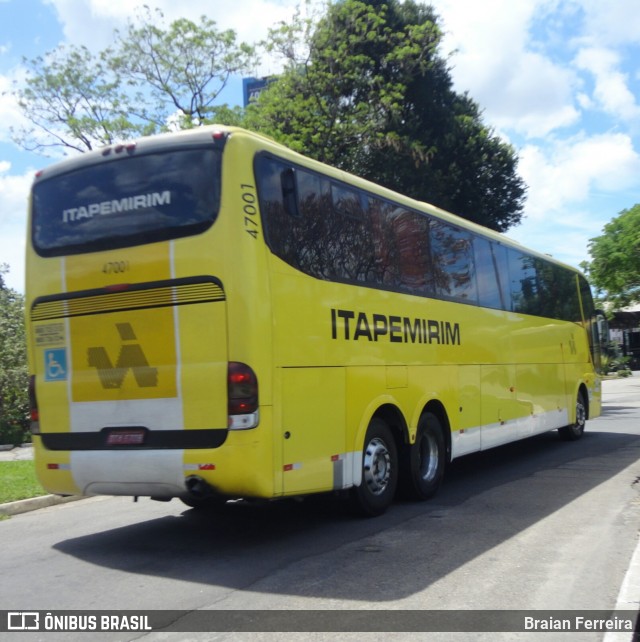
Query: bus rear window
(125, 202)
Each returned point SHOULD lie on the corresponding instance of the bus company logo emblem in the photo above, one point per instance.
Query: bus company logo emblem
(131, 357)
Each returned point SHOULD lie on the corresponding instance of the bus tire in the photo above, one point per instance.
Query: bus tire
(379, 471)
(576, 430)
(425, 460)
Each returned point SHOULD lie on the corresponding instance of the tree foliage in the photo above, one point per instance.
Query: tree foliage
(153, 78)
(180, 69)
(614, 268)
(72, 99)
(371, 94)
(14, 401)
(364, 88)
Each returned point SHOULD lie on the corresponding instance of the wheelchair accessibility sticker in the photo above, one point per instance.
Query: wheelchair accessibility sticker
(55, 364)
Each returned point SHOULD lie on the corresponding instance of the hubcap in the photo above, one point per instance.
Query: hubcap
(581, 415)
(377, 466)
(428, 457)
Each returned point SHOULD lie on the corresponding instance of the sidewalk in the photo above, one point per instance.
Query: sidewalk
(16, 454)
(622, 386)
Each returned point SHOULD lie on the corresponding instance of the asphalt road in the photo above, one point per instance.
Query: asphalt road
(542, 524)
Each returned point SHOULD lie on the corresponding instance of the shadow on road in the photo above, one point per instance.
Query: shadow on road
(280, 548)
(612, 411)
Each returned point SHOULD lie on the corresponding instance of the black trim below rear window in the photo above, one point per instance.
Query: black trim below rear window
(154, 440)
(136, 296)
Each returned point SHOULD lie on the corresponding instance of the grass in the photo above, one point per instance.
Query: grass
(18, 481)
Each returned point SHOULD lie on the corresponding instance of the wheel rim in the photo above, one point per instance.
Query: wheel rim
(581, 415)
(429, 456)
(377, 466)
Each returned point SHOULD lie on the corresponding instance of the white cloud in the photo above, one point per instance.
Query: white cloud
(518, 87)
(612, 23)
(569, 171)
(611, 90)
(10, 115)
(535, 99)
(14, 191)
(575, 187)
(91, 22)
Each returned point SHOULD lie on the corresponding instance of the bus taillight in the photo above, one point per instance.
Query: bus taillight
(242, 395)
(34, 415)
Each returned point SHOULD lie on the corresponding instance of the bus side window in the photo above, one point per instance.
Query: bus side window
(558, 292)
(453, 262)
(289, 191)
(492, 272)
(347, 202)
(525, 294)
(385, 268)
(411, 233)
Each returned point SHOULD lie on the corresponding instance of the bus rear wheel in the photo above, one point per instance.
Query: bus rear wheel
(425, 460)
(576, 430)
(379, 470)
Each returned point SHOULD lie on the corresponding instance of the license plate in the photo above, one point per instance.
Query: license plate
(128, 437)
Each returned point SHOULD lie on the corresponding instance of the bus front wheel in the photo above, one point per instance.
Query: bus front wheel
(424, 464)
(576, 430)
(379, 470)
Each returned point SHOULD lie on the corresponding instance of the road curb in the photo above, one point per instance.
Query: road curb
(34, 503)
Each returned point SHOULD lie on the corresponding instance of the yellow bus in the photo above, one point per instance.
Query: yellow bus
(213, 316)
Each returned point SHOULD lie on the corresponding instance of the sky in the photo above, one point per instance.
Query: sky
(557, 79)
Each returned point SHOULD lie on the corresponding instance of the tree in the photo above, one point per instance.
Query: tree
(372, 95)
(72, 99)
(181, 69)
(154, 78)
(615, 259)
(364, 88)
(14, 401)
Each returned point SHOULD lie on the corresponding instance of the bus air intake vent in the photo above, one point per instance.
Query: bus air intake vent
(141, 296)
